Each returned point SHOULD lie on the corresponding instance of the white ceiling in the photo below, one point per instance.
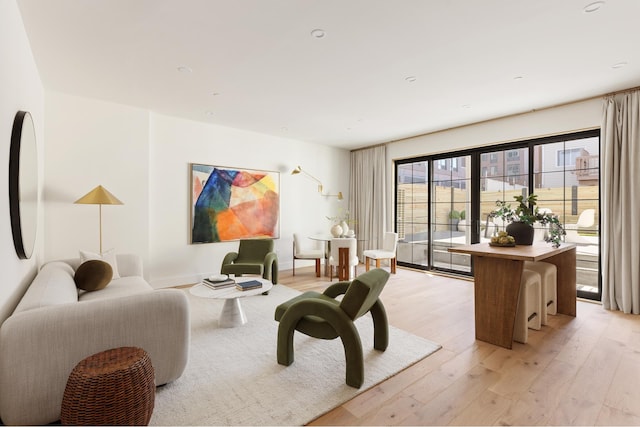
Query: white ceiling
(256, 66)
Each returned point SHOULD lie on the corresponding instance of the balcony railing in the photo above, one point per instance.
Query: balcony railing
(587, 168)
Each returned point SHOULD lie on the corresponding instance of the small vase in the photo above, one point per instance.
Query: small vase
(336, 230)
(521, 232)
(345, 228)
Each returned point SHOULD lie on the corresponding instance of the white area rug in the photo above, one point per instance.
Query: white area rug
(233, 377)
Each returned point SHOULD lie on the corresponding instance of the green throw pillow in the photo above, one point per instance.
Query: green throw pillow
(93, 275)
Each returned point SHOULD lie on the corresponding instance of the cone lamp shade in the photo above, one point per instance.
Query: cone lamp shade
(99, 196)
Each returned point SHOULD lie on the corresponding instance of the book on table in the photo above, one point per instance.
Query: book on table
(248, 285)
(219, 284)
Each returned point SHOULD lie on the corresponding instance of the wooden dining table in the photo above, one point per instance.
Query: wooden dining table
(326, 238)
(497, 272)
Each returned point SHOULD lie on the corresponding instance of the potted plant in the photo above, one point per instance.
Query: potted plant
(462, 224)
(524, 215)
(454, 218)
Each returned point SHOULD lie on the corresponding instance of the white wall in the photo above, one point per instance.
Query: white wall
(95, 143)
(176, 143)
(143, 159)
(20, 89)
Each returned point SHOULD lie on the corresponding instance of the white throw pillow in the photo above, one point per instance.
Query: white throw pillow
(109, 257)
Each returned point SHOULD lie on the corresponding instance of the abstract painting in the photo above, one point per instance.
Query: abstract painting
(232, 203)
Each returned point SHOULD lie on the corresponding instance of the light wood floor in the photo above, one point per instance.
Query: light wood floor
(576, 371)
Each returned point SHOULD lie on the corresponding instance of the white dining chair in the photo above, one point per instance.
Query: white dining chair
(302, 252)
(388, 251)
(338, 243)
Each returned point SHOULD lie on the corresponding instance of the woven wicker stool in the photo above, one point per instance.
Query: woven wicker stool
(113, 387)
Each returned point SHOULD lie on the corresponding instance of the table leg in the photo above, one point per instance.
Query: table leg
(565, 263)
(232, 314)
(496, 288)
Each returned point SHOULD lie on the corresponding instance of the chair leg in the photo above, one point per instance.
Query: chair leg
(377, 262)
(354, 356)
(380, 326)
(393, 265)
(317, 267)
(285, 344)
(366, 263)
(294, 265)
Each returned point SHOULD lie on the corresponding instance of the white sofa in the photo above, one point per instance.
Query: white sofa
(55, 326)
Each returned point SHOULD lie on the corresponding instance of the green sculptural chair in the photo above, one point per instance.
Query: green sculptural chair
(321, 315)
(254, 256)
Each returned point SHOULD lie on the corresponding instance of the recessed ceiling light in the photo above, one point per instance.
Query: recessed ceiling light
(185, 69)
(318, 33)
(209, 113)
(466, 106)
(619, 65)
(411, 79)
(215, 93)
(518, 78)
(592, 7)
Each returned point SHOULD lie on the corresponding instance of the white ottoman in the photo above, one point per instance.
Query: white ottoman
(528, 312)
(549, 287)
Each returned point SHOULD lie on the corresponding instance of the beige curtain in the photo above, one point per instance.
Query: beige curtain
(620, 140)
(367, 200)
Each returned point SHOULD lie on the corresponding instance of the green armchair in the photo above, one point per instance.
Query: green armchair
(254, 256)
(320, 315)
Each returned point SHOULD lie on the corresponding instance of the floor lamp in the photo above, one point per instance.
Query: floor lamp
(99, 196)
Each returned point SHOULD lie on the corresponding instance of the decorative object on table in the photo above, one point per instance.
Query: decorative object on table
(299, 170)
(232, 203)
(113, 387)
(23, 184)
(248, 285)
(503, 239)
(522, 218)
(219, 281)
(254, 256)
(341, 224)
(99, 196)
(322, 316)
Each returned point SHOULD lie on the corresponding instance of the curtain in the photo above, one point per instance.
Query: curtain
(367, 202)
(620, 139)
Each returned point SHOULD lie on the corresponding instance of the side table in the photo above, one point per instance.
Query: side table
(113, 387)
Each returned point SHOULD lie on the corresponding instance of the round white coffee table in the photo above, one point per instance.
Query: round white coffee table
(232, 314)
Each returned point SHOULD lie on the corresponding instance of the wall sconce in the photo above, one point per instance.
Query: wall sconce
(299, 169)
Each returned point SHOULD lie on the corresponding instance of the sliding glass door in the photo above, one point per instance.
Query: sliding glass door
(412, 213)
(451, 185)
(445, 200)
(567, 181)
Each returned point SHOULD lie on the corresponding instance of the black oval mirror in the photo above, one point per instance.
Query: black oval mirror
(23, 184)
